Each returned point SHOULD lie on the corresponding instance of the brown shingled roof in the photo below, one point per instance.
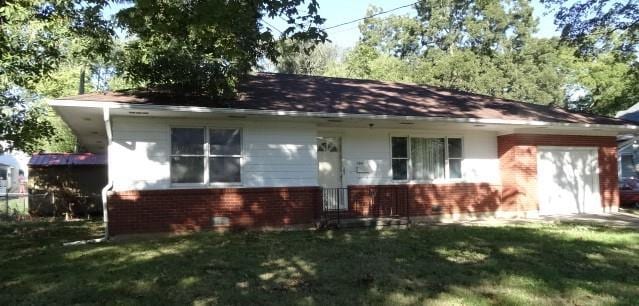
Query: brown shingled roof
(287, 92)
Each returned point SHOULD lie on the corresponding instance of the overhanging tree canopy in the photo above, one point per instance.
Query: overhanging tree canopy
(205, 47)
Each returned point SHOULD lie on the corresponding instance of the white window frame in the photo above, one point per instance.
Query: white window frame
(407, 158)
(207, 155)
(447, 178)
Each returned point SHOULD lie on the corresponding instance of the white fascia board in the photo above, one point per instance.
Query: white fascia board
(235, 111)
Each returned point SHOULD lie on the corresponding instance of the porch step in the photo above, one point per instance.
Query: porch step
(367, 222)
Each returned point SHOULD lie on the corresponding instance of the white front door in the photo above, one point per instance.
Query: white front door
(568, 181)
(329, 159)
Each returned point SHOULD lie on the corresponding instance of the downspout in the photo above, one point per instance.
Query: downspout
(105, 190)
(109, 185)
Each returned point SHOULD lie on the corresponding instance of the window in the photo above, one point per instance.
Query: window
(187, 155)
(225, 154)
(429, 158)
(454, 158)
(628, 166)
(399, 156)
(193, 163)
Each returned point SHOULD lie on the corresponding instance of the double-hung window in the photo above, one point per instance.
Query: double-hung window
(205, 156)
(426, 159)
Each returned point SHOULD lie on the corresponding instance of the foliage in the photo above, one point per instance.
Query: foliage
(307, 59)
(36, 37)
(477, 46)
(488, 47)
(207, 46)
(596, 26)
(526, 264)
(606, 84)
(605, 34)
(398, 36)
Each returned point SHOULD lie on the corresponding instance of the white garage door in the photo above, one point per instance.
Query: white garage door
(568, 181)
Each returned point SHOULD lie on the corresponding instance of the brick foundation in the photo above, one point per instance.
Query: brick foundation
(518, 165)
(179, 210)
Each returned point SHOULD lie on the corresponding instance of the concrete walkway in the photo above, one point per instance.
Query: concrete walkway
(621, 219)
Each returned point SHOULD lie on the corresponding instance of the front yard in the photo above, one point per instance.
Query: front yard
(528, 264)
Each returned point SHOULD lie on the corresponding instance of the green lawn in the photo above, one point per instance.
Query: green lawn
(531, 264)
(16, 206)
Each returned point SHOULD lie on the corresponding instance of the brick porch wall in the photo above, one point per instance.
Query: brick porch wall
(179, 210)
(424, 199)
(518, 163)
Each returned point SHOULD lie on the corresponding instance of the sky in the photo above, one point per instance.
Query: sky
(339, 11)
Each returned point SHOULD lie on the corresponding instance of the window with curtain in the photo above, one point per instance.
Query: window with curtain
(192, 163)
(426, 159)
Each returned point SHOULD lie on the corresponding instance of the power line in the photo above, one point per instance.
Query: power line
(269, 25)
(371, 16)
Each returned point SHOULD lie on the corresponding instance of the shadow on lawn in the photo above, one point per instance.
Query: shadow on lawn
(477, 264)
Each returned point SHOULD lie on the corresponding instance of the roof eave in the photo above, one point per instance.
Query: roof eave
(200, 109)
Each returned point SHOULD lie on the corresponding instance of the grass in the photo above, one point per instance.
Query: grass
(541, 264)
(633, 211)
(15, 206)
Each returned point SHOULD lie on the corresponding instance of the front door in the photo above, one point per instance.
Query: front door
(329, 159)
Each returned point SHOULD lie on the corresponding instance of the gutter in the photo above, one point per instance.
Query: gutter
(323, 115)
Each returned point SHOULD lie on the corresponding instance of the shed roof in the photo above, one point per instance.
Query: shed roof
(66, 159)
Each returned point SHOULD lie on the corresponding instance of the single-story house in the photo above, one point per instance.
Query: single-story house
(62, 183)
(290, 148)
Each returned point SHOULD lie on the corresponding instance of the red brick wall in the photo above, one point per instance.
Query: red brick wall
(424, 199)
(193, 209)
(518, 163)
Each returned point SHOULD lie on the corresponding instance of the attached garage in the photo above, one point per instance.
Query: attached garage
(568, 180)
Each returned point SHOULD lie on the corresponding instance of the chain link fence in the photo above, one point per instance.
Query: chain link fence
(14, 206)
(22, 206)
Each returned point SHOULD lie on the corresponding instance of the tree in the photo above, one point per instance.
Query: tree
(65, 81)
(596, 26)
(35, 38)
(485, 27)
(313, 61)
(205, 47)
(604, 85)
(399, 36)
(480, 46)
(605, 35)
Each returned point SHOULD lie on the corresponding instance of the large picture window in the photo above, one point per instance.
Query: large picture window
(203, 156)
(426, 159)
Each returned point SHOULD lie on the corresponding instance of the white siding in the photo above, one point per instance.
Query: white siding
(372, 147)
(280, 154)
(274, 154)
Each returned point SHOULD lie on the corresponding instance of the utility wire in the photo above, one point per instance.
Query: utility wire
(371, 16)
(269, 25)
